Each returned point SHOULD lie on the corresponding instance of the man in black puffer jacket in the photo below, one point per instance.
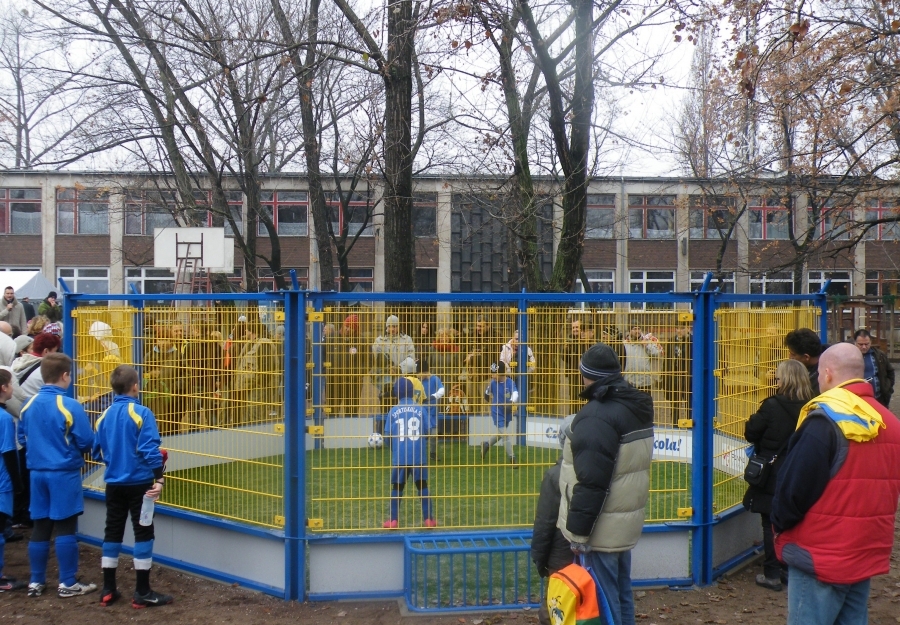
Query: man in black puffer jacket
(605, 476)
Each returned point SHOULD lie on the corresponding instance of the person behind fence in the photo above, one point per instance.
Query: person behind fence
(56, 432)
(605, 476)
(10, 479)
(805, 346)
(549, 548)
(434, 391)
(837, 493)
(879, 371)
(127, 442)
(677, 378)
(502, 395)
(769, 429)
(388, 351)
(406, 428)
(640, 349)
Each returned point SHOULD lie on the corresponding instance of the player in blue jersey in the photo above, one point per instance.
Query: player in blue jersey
(10, 480)
(56, 432)
(502, 395)
(127, 441)
(434, 390)
(406, 425)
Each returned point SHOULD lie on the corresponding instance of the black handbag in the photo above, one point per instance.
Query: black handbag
(758, 468)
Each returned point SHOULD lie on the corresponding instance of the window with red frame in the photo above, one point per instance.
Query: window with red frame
(651, 216)
(289, 211)
(878, 209)
(834, 223)
(600, 216)
(82, 211)
(356, 213)
(711, 217)
(20, 211)
(768, 219)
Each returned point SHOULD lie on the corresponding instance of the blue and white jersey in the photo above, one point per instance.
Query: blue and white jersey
(407, 425)
(7, 443)
(502, 396)
(432, 385)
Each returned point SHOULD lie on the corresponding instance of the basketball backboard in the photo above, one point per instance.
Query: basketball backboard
(208, 246)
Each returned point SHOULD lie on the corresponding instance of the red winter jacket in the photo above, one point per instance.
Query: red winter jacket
(847, 535)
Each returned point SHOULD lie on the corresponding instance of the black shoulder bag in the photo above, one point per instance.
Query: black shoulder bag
(758, 468)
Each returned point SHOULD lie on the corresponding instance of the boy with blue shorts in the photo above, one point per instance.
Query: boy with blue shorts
(56, 432)
(406, 426)
(433, 390)
(10, 480)
(502, 395)
(127, 441)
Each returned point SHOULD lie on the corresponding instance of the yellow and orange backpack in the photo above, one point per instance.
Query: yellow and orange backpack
(574, 597)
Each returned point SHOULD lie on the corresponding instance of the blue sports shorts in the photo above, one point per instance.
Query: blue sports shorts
(6, 503)
(56, 495)
(398, 474)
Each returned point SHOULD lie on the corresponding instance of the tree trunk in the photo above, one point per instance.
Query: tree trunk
(305, 75)
(399, 243)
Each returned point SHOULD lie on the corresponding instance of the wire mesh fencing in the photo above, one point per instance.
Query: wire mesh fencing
(496, 382)
(749, 346)
(214, 379)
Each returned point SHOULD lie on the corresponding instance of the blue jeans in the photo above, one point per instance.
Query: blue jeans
(613, 571)
(811, 601)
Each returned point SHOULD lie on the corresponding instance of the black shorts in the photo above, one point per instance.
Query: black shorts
(120, 500)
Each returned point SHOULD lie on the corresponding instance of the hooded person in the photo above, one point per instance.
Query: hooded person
(605, 475)
(27, 370)
(50, 308)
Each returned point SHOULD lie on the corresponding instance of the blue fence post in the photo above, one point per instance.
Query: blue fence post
(68, 337)
(702, 409)
(522, 379)
(294, 446)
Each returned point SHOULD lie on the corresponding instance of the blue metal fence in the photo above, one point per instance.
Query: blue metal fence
(444, 570)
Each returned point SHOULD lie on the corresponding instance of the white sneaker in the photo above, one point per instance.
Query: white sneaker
(35, 589)
(75, 589)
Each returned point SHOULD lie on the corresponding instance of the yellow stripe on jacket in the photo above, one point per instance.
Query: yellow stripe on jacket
(855, 418)
(66, 415)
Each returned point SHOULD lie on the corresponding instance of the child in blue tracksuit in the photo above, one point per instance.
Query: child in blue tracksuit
(434, 391)
(55, 432)
(502, 395)
(127, 441)
(10, 480)
(406, 425)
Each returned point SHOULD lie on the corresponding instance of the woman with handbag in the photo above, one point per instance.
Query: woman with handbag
(769, 430)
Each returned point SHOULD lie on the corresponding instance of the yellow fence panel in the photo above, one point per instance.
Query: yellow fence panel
(478, 474)
(214, 378)
(749, 345)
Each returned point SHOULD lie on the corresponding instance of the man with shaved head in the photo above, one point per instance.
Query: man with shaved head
(837, 495)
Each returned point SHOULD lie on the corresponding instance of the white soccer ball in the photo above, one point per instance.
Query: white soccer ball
(376, 441)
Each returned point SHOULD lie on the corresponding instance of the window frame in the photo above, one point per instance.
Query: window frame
(764, 207)
(876, 208)
(707, 206)
(101, 199)
(698, 277)
(356, 201)
(423, 202)
(75, 279)
(273, 207)
(644, 204)
(6, 208)
(644, 279)
(828, 274)
(600, 204)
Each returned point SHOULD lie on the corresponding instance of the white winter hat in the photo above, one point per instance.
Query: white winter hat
(408, 366)
(393, 320)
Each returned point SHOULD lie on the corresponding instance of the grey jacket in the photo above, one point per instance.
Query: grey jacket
(605, 474)
(14, 317)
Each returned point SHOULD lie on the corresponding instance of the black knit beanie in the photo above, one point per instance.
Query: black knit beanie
(599, 362)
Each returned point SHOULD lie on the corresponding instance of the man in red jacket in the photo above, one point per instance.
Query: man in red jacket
(837, 495)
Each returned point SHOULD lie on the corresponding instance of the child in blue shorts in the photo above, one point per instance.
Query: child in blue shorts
(55, 431)
(406, 426)
(10, 480)
(502, 395)
(127, 441)
(434, 391)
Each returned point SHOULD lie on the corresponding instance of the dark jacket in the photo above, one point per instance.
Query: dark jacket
(769, 429)
(605, 474)
(885, 372)
(549, 549)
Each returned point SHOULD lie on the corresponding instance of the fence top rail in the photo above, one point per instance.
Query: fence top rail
(734, 298)
(269, 296)
(561, 298)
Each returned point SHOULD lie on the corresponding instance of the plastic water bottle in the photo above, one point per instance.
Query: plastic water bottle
(147, 511)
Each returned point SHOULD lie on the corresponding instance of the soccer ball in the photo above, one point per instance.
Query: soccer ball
(376, 441)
